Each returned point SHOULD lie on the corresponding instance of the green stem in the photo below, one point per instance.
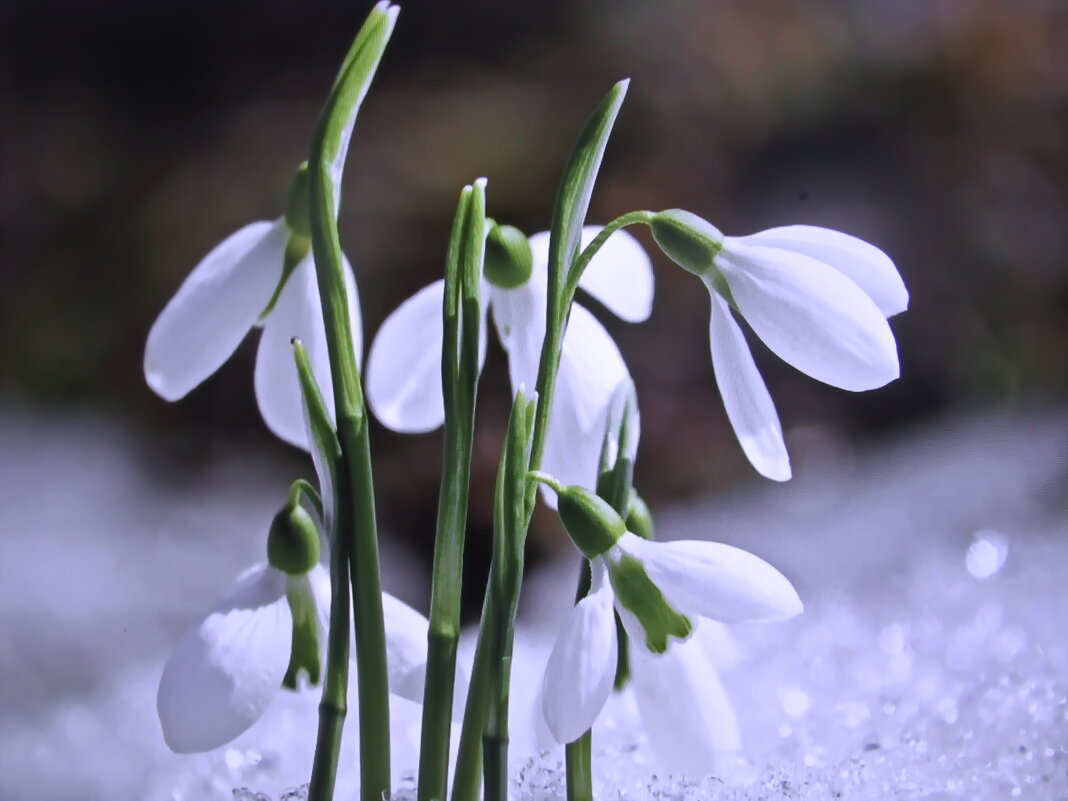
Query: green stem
(579, 265)
(556, 324)
(578, 768)
(333, 706)
(493, 657)
(355, 508)
(462, 316)
(465, 781)
(614, 485)
(302, 488)
(484, 739)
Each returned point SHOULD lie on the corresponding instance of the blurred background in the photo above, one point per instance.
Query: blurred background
(136, 136)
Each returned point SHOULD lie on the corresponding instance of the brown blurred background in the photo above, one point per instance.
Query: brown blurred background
(135, 136)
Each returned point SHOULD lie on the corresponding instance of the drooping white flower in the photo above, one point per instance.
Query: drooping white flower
(658, 589)
(818, 298)
(227, 668)
(684, 709)
(404, 365)
(229, 293)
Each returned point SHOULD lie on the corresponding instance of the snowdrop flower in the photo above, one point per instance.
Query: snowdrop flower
(404, 365)
(262, 275)
(818, 298)
(228, 667)
(659, 589)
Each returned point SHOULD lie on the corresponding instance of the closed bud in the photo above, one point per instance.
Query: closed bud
(594, 526)
(293, 541)
(509, 261)
(639, 518)
(689, 241)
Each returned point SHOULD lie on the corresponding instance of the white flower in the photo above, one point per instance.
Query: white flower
(818, 298)
(685, 711)
(404, 365)
(223, 299)
(657, 588)
(228, 667)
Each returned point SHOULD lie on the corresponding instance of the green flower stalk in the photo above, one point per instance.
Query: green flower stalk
(462, 315)
(355, 511)
(489, 680)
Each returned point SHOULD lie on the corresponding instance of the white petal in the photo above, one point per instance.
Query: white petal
(861, 262)
(539, 251)
(404, 366)
(745, 397)
(591, 368)
(214, 309)
(406, 643)
(226, 669)
(811, 316)
(685, 710)
(298, 313)
(714, 580)
(582, 666)
(620, 275)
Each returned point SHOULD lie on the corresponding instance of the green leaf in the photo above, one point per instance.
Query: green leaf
(338, 116)
(573, 197)
(509, 519)
(325, 449)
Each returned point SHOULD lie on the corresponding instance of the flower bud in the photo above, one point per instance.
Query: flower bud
(297, 203)
(509, 261)
(639, 518)
(293, 541)
(689, 241)
(594, 526)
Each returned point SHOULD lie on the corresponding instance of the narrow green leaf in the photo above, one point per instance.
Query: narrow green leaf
(573, 197)
(462, 321)
(325, 449)
(354, 79)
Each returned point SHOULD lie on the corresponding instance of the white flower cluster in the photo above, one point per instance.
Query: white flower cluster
(818, 298)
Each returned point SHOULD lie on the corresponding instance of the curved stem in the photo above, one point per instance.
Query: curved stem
(355, 508)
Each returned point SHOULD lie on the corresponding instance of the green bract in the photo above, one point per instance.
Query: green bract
(636, 593)
(293, 542)
(592, 523)
(509, 261)
(688, 240)
(639, 518)
(296, 215)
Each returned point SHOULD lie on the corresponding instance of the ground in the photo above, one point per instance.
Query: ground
(930, 662)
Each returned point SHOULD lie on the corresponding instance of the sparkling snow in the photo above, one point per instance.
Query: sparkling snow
(931, 661)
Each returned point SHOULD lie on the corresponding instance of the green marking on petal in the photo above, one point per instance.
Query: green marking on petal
(637, 593)
(304, 656)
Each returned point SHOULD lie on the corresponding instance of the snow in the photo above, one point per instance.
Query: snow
(930, 663)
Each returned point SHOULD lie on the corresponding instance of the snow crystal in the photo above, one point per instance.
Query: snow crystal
(927, 665)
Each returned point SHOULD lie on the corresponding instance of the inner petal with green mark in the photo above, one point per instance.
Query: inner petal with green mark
(304, 656)
(636, 593)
